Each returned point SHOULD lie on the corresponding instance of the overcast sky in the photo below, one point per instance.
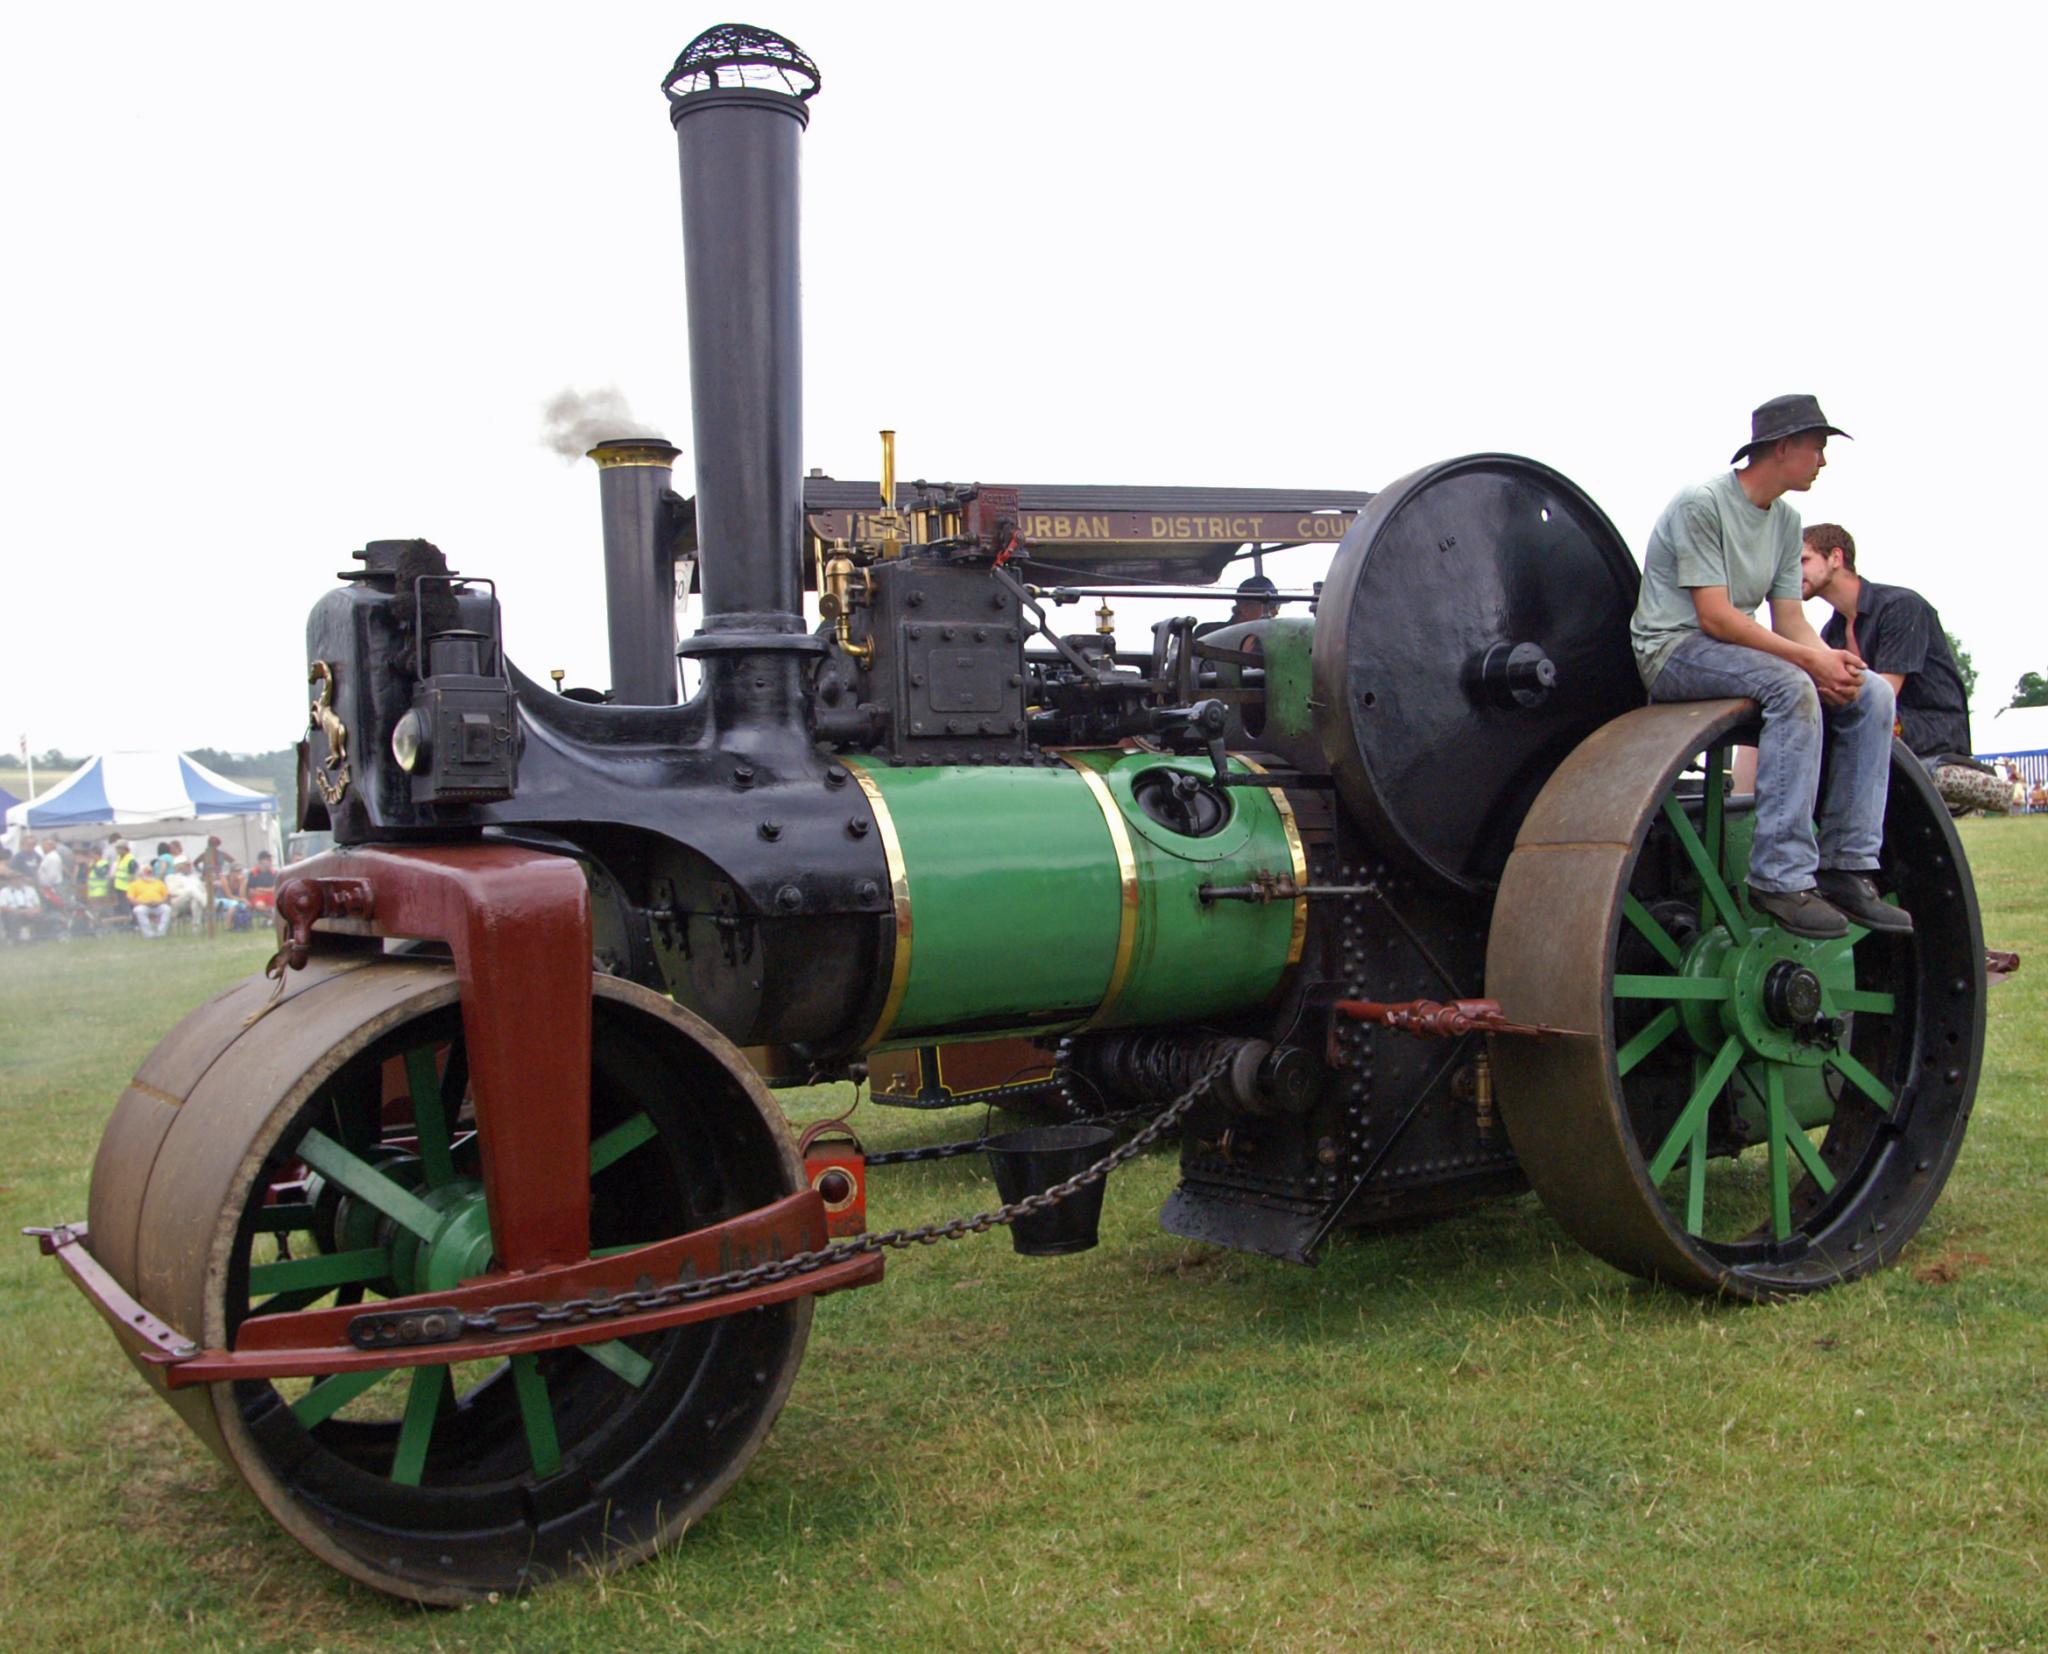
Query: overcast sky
(289, 278)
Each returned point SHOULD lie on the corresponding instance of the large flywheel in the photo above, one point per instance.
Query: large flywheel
(323, 1152)
(1473, 630)
(1733, 1109)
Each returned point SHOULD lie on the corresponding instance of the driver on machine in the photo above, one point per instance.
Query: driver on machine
(1719, 550)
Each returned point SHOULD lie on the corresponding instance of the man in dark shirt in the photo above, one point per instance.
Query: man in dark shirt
(1897, 634)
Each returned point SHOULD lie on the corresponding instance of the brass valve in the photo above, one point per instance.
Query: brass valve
(1105, 620)
(845, 584)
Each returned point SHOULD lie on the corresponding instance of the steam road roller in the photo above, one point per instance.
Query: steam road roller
(471, 1236)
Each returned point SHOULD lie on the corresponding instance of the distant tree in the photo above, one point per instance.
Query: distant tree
(1965, 668)
(2032, 690)
(55, 759)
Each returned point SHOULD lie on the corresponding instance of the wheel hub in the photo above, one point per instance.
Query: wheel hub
(1778, 991)
(1791, 995)
(459, 1248)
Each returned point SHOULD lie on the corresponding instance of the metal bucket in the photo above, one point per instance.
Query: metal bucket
(1031, 1161)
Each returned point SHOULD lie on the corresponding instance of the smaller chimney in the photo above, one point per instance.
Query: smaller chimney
(639, 568)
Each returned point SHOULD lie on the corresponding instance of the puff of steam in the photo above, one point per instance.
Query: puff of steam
(573, 422)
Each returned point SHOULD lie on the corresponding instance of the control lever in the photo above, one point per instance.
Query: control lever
(1200, 726)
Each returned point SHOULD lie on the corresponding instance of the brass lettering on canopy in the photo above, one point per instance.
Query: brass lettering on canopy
(1141, 528)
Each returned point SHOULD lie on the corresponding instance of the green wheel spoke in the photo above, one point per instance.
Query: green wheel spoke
(1863, 999)
(322, 1270)
(1778, 1128)
(537, 1414)
(1861, 1078)
(1670, 987)
(1809, 1156)
(364, 1181)
(620, 1141)
(422, 1406)
(621, 1358)
(1652, 932)
(1711, 882)
(1696, 1179)
(1694, 1116)
(429, 1117)
(1712, 805)
(1653, 1034)
(330, 1395)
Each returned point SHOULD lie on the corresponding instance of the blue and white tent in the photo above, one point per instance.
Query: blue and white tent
(150, 797)
(2019, 733)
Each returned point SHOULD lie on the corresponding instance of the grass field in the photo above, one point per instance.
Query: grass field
(1470, 1435)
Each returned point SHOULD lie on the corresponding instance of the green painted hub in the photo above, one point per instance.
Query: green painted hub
(459, 1248)
(1745, 1013)
(1744, 1008)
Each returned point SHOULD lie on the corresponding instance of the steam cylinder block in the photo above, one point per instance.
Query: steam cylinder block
(1046, 899)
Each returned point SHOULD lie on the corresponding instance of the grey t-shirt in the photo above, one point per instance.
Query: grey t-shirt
(1710, 535)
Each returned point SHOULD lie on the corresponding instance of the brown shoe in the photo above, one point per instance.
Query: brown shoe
(1802, 912)
(1855, 897)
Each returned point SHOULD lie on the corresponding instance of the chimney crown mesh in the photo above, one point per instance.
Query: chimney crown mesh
(739, 57)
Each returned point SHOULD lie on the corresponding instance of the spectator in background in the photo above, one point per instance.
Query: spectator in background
(1257, 599)
(218, 868)
(150, 901)
(188, 895)
(50, 870)
(21, 907)
(99, 881)
(163, 861)
(2037, 800)
(261, 887)
(126, 866)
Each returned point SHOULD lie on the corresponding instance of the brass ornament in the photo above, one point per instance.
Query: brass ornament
(331, 774)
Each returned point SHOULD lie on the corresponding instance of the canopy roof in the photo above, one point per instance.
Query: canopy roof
(129, 789)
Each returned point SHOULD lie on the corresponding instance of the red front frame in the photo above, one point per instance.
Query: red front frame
(518, 924)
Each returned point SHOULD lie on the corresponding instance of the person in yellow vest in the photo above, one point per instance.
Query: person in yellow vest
(99, 881)
(150, 899)
(126, 866)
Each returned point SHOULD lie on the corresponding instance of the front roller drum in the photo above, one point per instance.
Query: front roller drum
(1733, 1109)
(324, 1153)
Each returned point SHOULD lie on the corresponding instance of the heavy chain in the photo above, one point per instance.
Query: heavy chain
(527, 1317)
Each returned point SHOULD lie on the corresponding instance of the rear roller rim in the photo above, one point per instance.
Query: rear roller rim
(449, 1482)
(1781, 1112)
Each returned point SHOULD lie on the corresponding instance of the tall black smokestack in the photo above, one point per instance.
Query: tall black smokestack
(738, 103)
(639, 572)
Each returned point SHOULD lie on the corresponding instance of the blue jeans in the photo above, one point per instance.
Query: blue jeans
(1786, 853)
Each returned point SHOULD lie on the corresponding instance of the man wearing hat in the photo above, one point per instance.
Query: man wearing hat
(1257, 599)
(1720, 550)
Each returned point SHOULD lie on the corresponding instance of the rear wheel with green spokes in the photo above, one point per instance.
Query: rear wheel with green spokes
(359, 1178)
(1734, 1108)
